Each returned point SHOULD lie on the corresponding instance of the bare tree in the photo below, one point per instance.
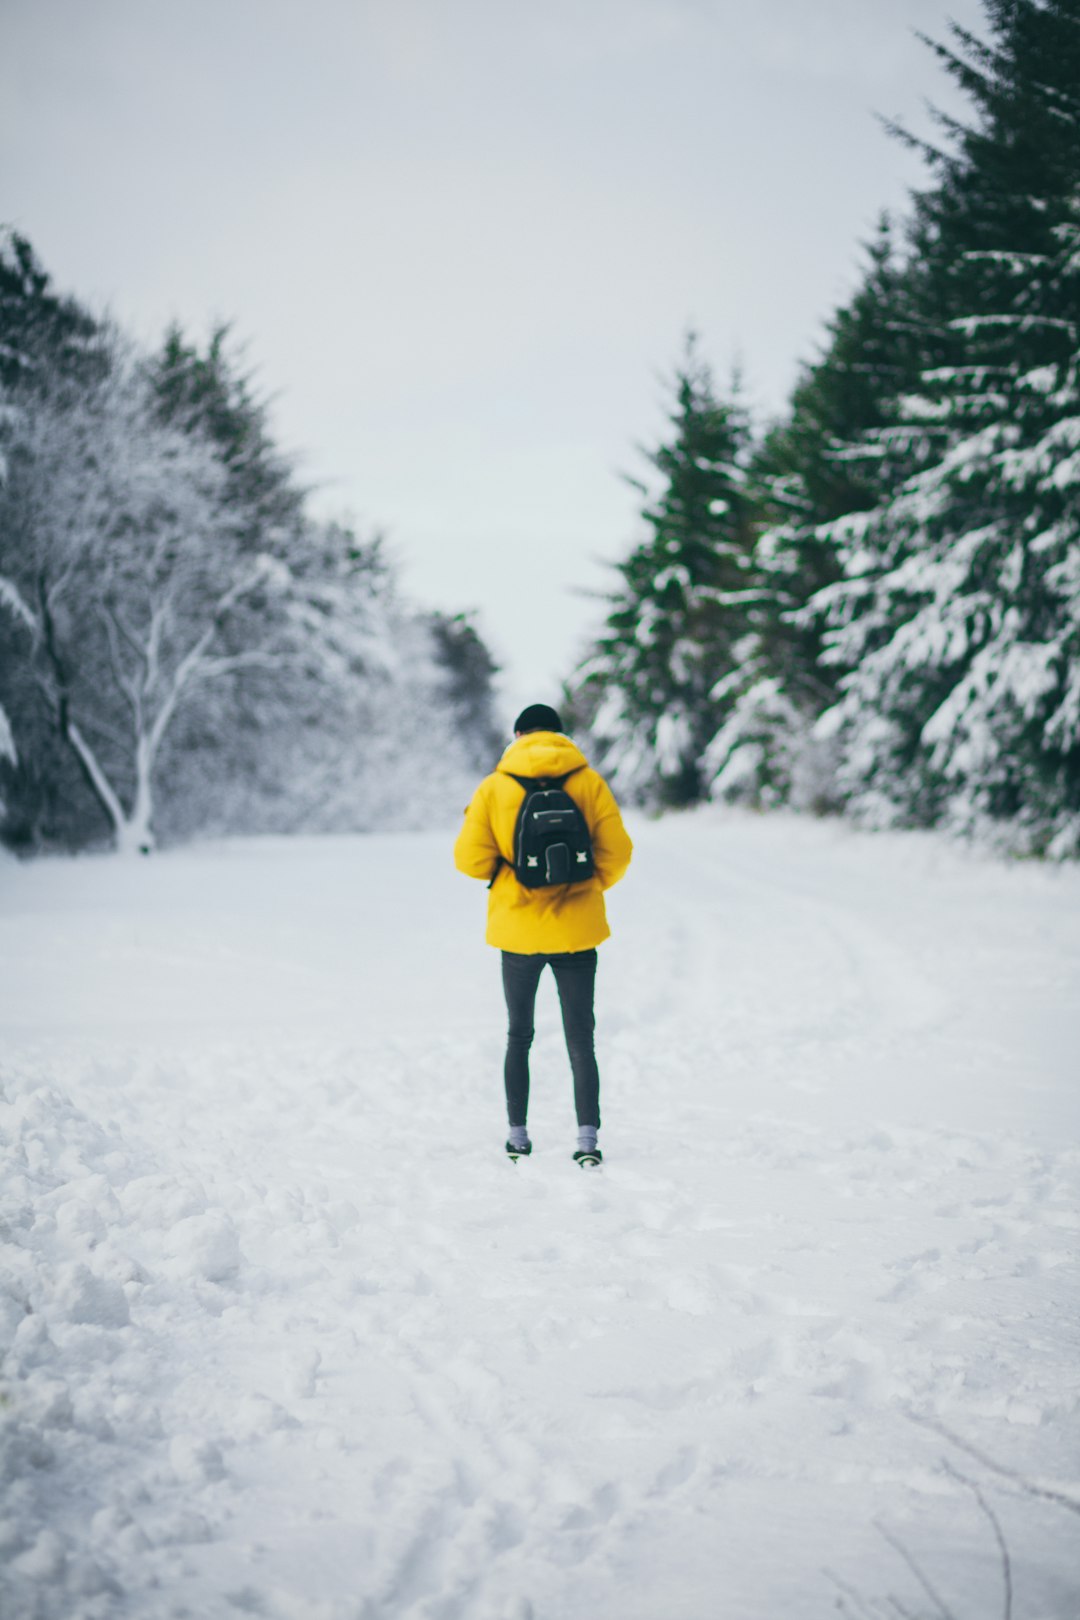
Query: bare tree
(125, 555)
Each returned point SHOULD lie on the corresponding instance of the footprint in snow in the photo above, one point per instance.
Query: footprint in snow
(675, 1473)
(597, 1511)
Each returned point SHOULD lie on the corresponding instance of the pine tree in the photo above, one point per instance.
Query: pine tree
(211, 394)
(45, 338)
(680, 613)
(955, 620)
(837, 451)
(469, 674)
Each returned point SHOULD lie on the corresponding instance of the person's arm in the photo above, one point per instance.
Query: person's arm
(475, 851)
(612, 848)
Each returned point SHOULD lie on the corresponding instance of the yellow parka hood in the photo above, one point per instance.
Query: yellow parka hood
(541, 753)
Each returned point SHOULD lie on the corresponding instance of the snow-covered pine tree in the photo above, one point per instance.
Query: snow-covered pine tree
(46, 340)
(957, 617)
(679, 617)
(835, 452)
(469, 676)
(210, 392)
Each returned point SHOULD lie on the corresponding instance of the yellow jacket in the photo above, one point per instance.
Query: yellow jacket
(572, 916)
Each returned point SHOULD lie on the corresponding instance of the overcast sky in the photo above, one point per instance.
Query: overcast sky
(462, 239)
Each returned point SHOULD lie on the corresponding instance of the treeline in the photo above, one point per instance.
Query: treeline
(184, 648)
(874, 606)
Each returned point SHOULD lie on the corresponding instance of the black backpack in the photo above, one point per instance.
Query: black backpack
(552, 844)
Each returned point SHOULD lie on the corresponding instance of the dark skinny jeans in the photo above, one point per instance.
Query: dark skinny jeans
(575, 978)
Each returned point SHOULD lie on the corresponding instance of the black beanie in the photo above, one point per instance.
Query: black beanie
(538, 717)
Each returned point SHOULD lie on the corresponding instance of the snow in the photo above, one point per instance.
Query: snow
(8, 751)
(287, 1335)
(11, 599)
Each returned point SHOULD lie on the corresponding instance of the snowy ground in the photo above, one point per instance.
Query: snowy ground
(287, 1336)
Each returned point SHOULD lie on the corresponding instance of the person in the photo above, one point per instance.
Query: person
(559, 926)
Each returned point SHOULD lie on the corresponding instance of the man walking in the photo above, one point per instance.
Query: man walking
(555, 923)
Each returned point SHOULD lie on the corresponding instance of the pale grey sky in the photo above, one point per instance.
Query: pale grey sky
(463, 238)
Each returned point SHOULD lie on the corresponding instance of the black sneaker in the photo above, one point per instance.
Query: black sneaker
(588, 1158)
(515, 1153)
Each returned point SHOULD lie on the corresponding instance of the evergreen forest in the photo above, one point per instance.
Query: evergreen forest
(873, 605)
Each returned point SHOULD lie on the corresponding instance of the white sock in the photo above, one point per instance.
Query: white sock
(519, 1136)
(586, 1138)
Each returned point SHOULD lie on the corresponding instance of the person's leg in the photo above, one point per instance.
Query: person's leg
(520, 976)
(575, 975)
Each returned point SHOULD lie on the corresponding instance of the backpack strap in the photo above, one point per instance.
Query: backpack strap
(544, 782)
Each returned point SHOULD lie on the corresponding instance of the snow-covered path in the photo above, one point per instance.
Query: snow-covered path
(287, 1335)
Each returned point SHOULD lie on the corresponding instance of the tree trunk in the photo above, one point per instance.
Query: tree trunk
(137, 836)
(132, 834)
